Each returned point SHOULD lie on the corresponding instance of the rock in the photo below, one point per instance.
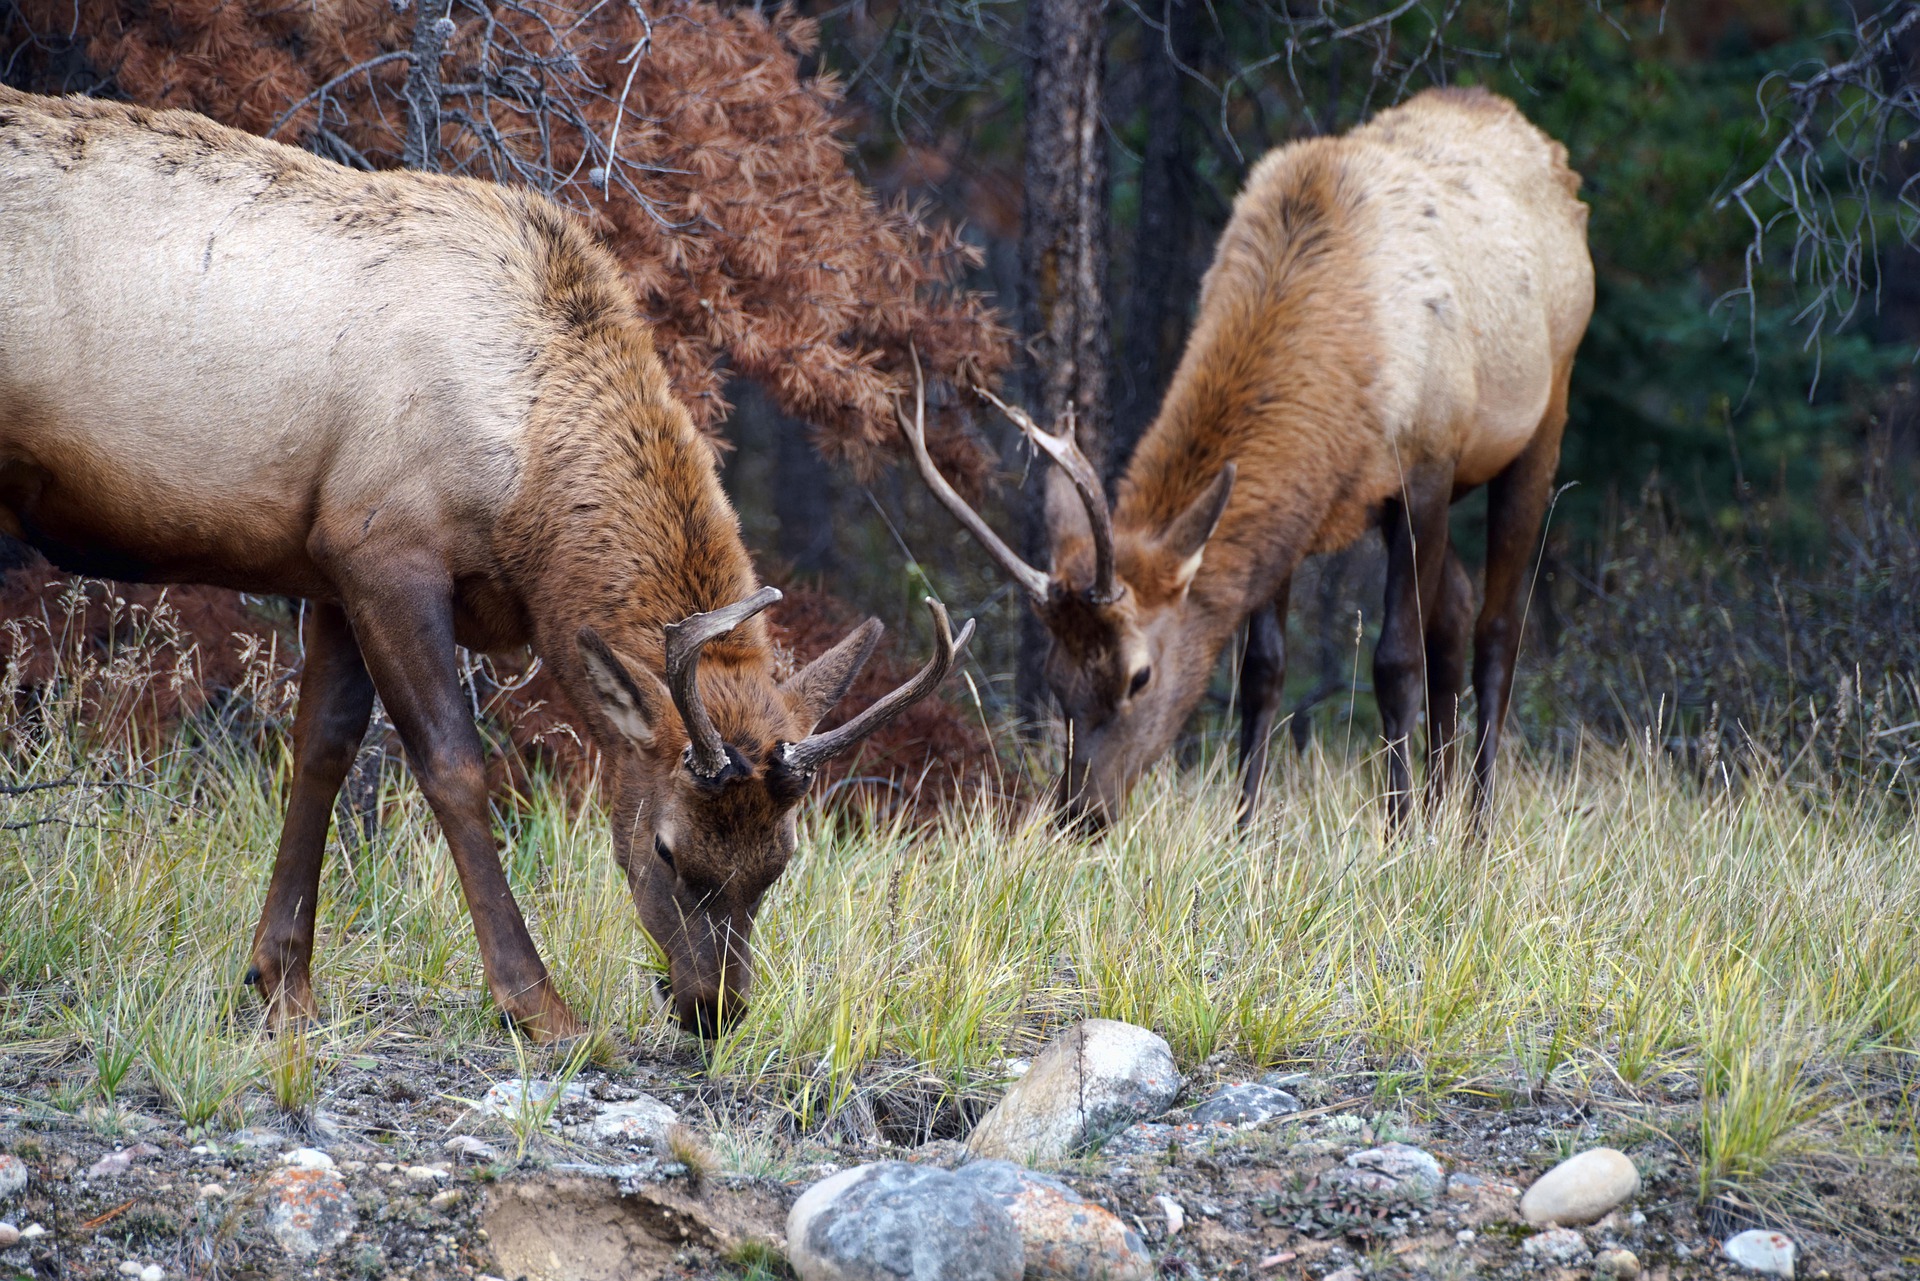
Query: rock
(1176, 1217)
(1581, 1189)
(948, 1154)
(510, 1097)
(308, 1209)
(129, 1268)
(644, 1120)
(898, 1222)
(445, 1199)
(1246, 1104)
(1098, 1078)
(1563, 1246)
(257, 1138)
(1344, 1274)
(32, 1232)
(468, 1146)
(1144, 1138)
(1393, 1169)
(108, 1166)
(307, 1159)
(425, 1174)
(1768, 1253)
(1624, 1265)
(13, 1176)
(9, 1236)
(211, 1192)
(152, 1272)
(1067, 1238)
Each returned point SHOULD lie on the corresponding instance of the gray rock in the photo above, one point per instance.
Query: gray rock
(1248, 1103)
(260, 1140)
(1581, 1189)
(1096, 1079)
(1393, 1169)
(1621, 1265)
(1768, 1253)
(117, 1163)
(1143, 1138)
(897, 1222)
(308, 1209)
(468, 1146)
(512, 1097)
(1563, 1246)
(13, 1176)
(1066, 1237)
(642, 1121)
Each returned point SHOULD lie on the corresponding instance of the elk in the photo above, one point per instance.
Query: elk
(429, 407)
(1389, 322)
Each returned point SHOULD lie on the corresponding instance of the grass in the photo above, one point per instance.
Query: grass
(1747, 951)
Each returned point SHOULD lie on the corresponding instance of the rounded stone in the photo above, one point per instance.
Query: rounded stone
(1248, 1103)
(308, 1209)
(13, 1176)
(1581, 1189)
(1563, 1246)
(1757, 1250)
(9, 1236)
(1393, 1169)
(893, 1221)
(1091, 1081)
(1067, 1237)
(1621, 1265)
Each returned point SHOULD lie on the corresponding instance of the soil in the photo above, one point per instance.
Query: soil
(557, 1206)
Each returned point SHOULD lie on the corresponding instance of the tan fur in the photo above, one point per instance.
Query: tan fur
(224, 360)
(1400, 300)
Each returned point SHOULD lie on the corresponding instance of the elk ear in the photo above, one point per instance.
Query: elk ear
(631, 697)
(816, 687)
(1186, 538)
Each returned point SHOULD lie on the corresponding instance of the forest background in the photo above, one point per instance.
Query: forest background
(1731, 564)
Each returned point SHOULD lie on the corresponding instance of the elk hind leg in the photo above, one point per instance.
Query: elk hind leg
(1263, 676)
(336, 701)
(1415, 528)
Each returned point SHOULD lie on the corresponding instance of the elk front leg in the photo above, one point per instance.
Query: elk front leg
(1516, 504)
(403, 615)
(1415, 526)
(336, 700)
(1448, 629)
(1263, 676)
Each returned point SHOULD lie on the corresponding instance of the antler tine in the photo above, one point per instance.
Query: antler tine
(817, 749)
(1066, 455)
(1030, 580)
(706, 753)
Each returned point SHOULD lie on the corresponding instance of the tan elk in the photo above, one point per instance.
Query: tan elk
(429, 407)
(1389, 322)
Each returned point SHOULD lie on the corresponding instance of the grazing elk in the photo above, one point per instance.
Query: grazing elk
(1389, 322)
(429, 407)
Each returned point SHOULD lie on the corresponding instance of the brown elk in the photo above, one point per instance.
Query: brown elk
(1389, 322)
(428, 406)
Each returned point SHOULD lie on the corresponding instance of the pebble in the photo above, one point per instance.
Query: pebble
(116, 1163)
(897, 1222)
(467, 1145)
(425, 1174)
(445, 1199)
(1757, 1250)
(1563, 1246)
(308, 1209)
(1396, 1168)
(211, 1192)
(256, 1137)
(9, 1236)
(1581, 1188)
(1097, 1078)
(1464, 1236)
(1176, 1217)
(307, 1159)
(13, 1176)
(1246, 1104)
(32, 1232)
(153, 1272)
(508, 1098)
(644, 1120)
(128, 1268)
(1623, 1265)
(1067, 1238)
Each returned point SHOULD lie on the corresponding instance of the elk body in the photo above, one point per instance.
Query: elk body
(427, 406)
(1389, 323)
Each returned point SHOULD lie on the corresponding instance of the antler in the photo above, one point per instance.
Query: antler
(816, 749)
(706, 753)
(1031, 580)
(1067, 457)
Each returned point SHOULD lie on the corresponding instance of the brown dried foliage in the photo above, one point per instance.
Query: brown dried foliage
(748, 239)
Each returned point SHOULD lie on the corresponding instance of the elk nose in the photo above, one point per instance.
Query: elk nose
(708, 1016)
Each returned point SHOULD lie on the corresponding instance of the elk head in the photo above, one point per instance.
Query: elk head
(704, 802)
(1125, 663)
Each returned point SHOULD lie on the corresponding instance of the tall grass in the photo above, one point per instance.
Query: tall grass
(1746, 945)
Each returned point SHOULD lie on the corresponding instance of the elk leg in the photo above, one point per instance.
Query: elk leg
(403, 615)
(1516, 504)
(1448, 627)
(1415, 526)
(336, 700)
(1263, 675)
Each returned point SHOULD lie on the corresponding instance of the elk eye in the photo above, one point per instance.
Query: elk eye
(666, 855)
(1139, 682)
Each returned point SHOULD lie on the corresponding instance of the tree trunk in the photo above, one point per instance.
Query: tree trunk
(1063, 264)
(1164, 284)
(432, 24)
